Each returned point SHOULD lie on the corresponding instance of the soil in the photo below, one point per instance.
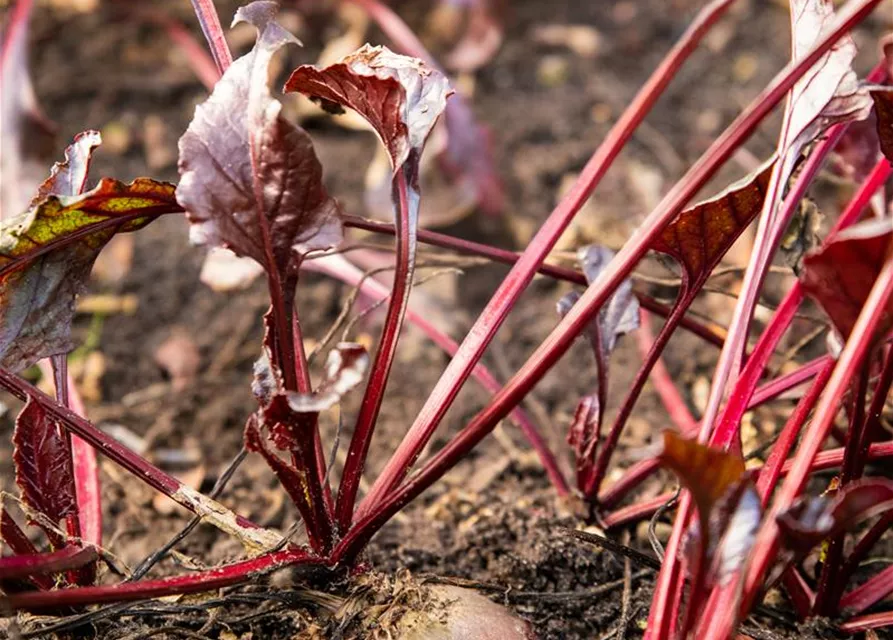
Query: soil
(494, 522)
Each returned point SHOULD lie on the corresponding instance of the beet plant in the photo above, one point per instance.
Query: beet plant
(251, 183)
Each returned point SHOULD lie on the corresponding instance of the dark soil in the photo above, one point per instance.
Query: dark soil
(494, 523)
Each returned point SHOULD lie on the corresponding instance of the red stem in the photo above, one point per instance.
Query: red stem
(406, 241)
(869, 593)
(594, 482)
(210, 24)
(42, 564)
(865, 623)
(491, 318)
(217, 578)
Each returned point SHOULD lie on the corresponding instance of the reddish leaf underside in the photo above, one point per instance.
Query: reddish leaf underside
(46, 256)
(250, 180)
(401, 97)
(43, 465)
(841, 273)
(700, 236)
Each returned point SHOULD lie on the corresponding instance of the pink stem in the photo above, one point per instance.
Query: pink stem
(865, 623)
(848, 364)
(209, 580)
(210, 23)
(406, 240)
(475, 343)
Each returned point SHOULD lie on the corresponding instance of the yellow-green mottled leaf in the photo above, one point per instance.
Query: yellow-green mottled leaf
(46, 256)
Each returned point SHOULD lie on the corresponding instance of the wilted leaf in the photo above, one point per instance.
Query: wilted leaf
(26, 136)
(250, 180)
(401, 97)
(179, 357)
(46, 255)
(700, 236)
(883, 106)
(841, 273)
(345, 368)
(43, 466)
(583, 433)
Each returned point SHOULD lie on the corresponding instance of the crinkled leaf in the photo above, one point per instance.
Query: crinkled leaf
(345, 367)
(859, 149)
(829, 92)
(812, 520)
(250, 180)
(841, 273)
(26, 136)
(69, 177)
(621, 313)
(700, 236)
(43, 465)
(46, 256)
(401, 97)
(883, 106)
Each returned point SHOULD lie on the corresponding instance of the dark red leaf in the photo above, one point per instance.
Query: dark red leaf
(250, 180)
(46, 256)
(841, 273)
(701, 235)
(401, 97)
(583, 432)
(883, 107)
(43, 465)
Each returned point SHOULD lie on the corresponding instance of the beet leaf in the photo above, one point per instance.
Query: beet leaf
(250, 180)
(840, 274)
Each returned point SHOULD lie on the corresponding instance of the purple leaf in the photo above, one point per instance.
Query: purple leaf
(345, 368)
(43, 466)
(840, 274)
(401, 97)
(250, 180)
